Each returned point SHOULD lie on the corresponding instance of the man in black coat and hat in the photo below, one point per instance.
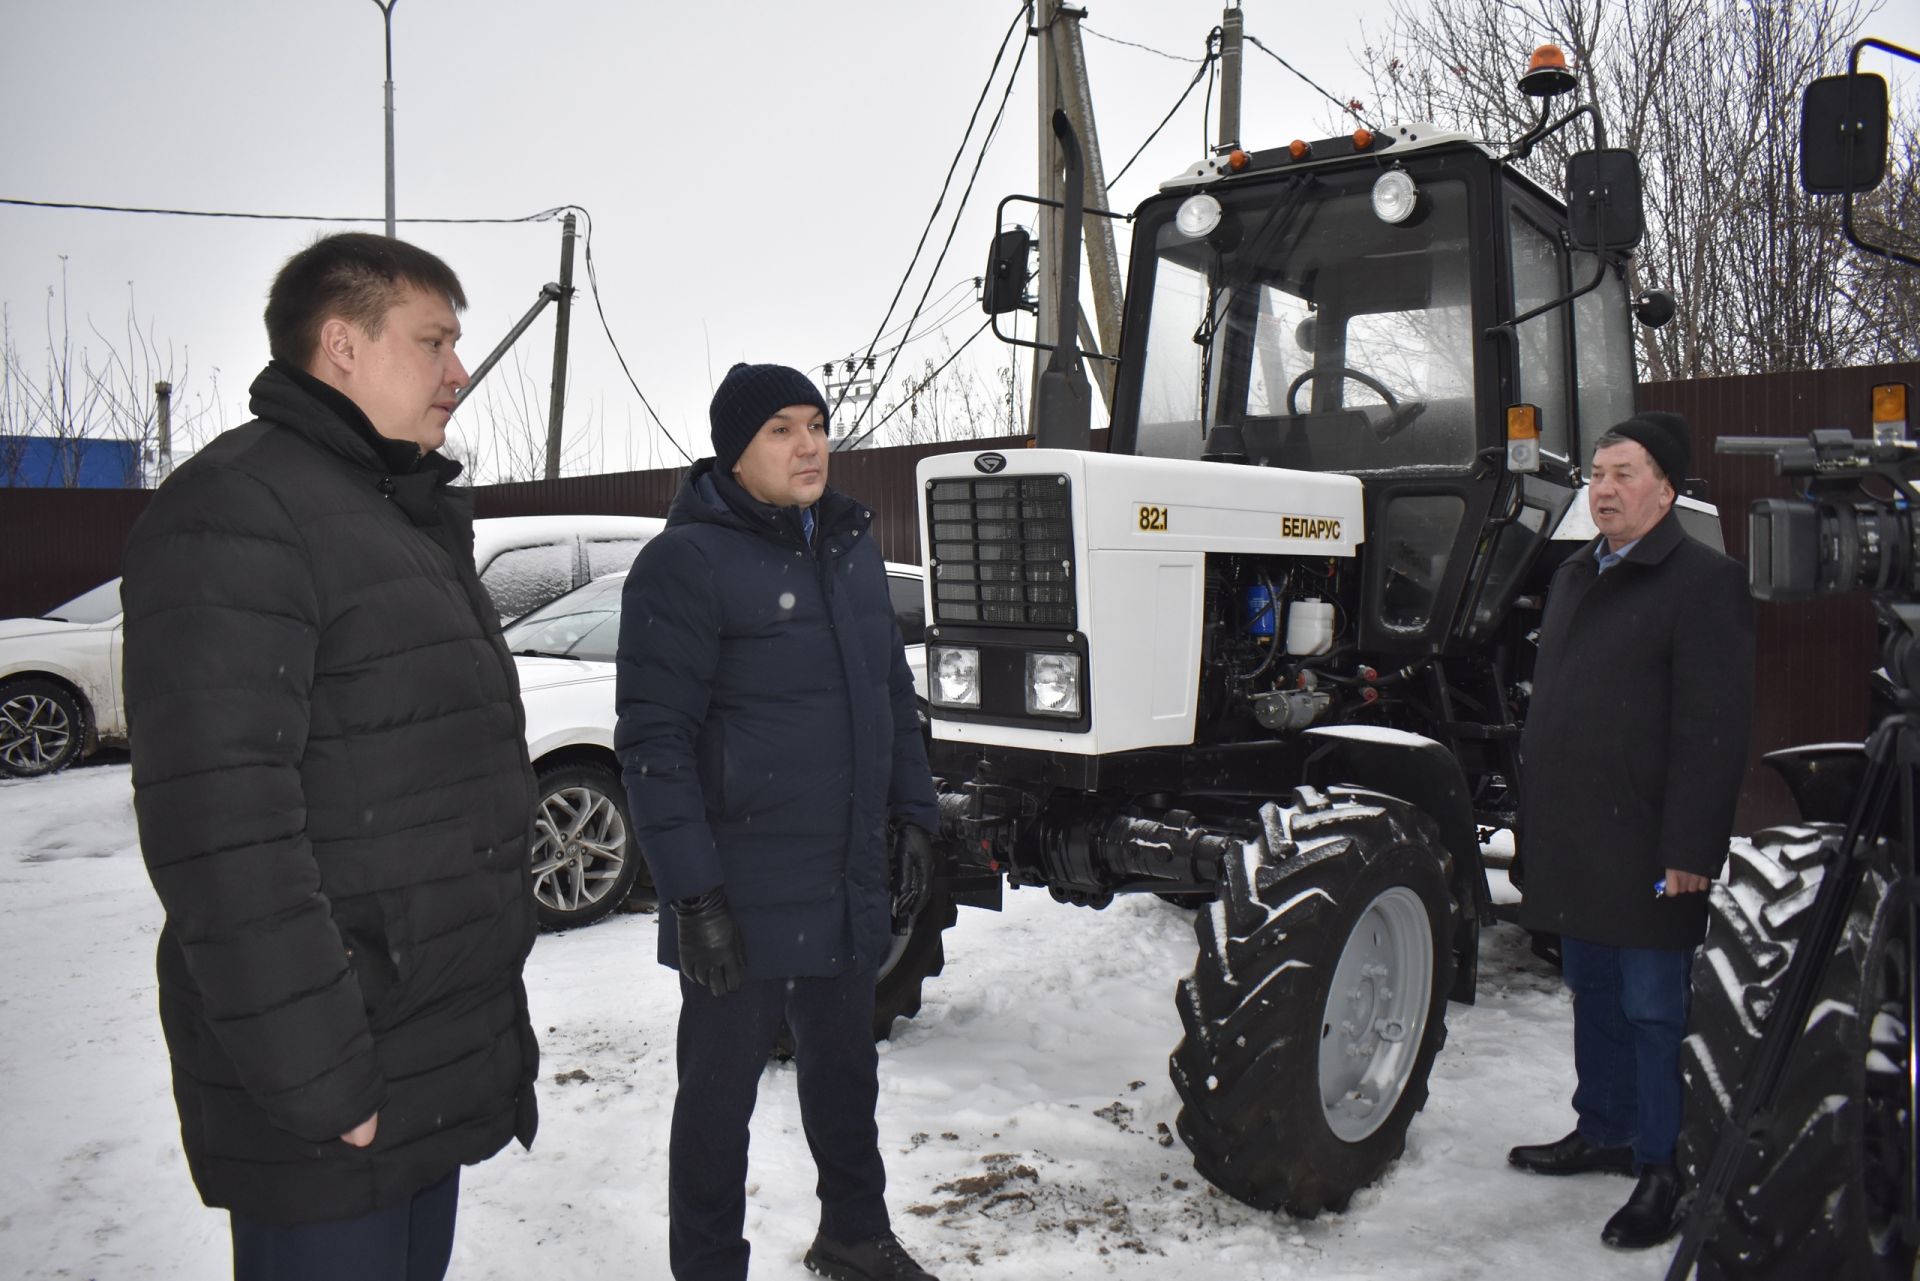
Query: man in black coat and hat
(770, 739)
(1634, 748)
(331, 782)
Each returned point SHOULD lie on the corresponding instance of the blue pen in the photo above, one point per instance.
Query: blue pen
(1660, 888)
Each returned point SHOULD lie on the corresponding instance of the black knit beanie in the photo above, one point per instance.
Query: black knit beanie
(1665, 436)
(748, 396)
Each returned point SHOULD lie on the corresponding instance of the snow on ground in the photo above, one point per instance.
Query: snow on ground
(1024, 1115)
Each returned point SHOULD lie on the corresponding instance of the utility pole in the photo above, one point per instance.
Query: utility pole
(163, 431)
(1232, 32)
(561, 324)
(1103, 261)
(386, 14)
(1051, 187)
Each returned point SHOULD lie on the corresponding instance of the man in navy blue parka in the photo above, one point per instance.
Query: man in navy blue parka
(770, 740)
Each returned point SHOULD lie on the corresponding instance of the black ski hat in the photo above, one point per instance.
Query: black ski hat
(747, 397)
(1665, 436)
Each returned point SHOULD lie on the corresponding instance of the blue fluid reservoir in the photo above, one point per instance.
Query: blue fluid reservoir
(1260, 612)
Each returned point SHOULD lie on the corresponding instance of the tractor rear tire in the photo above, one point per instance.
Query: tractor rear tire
(1818, 1193)
(1317, 1002)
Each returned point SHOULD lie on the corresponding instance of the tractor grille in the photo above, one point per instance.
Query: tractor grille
(1002, 551)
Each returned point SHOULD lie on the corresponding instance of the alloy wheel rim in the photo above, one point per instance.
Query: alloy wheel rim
(34, 732)
(579, 851)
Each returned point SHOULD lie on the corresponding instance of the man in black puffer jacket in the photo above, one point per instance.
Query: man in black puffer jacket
(332, 788)
(771, 745)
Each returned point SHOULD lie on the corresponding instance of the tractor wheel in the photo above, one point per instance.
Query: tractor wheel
(1818, 1192)
(915, 958)
(1318, 1001)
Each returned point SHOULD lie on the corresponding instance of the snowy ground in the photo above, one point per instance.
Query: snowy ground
(1023, 1115)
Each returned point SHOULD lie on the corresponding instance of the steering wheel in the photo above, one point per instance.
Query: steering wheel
(1399, 416)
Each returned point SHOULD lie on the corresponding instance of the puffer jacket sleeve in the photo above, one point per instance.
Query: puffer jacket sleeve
(910, 796)
(221, 633)
(669, 655)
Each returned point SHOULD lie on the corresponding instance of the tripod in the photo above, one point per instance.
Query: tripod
(1883, 810)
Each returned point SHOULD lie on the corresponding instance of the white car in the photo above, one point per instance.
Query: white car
(60, 692)
(526, 561)
(584, 862)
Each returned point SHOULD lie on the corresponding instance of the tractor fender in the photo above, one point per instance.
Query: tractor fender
(1423, 773)
(1823, 777)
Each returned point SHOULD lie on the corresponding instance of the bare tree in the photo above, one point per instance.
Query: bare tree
(1707, 93)
(500, 434)
(72, 393)
(949, 400)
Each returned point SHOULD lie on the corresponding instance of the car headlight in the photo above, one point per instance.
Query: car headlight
(1394, 196)
(1053, 684)
(956, 675)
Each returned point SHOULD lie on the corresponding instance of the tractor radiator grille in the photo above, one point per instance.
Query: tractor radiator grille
(1002, 551)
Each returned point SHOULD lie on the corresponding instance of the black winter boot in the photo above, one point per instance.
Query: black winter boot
(1571, 1155)
(880, 1258)
(1648, 1217)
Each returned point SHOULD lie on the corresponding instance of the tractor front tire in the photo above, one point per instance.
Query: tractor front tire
(1317, 1002)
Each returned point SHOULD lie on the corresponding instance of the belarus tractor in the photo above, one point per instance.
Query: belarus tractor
(1267, 652)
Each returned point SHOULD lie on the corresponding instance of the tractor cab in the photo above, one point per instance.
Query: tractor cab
(1349, 306)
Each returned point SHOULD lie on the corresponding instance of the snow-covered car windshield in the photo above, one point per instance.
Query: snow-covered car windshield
(94, 606)
(585, 623)
(1335, 340)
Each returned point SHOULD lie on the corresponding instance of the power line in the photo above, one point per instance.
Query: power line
(1350, 107)
(953, 228)
(930, 377)
(946, 183)
(545, 215)
(1135, 45)
(1206, 65)
(593, 285)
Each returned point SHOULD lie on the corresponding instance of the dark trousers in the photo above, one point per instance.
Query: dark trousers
(1629, 1016)
(723, 1047)
(410, 1242)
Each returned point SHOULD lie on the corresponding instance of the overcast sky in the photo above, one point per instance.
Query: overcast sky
(757, 172)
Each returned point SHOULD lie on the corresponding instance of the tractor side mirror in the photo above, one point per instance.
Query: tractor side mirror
(1604, 210)
(1843, 135)
(1005, 285)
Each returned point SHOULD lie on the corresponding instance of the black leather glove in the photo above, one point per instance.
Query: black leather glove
(912, 874)
(711, 953)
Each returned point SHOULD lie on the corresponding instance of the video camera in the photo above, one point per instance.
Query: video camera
(1854, 527)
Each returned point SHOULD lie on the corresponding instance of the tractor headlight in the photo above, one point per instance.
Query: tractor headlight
(1197, 215)
(1053, 684)
(1394, 196)
(956, 675)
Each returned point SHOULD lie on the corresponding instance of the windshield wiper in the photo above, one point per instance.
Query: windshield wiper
(540, 653)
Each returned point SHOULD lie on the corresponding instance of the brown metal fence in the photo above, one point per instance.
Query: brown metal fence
(1814, 657)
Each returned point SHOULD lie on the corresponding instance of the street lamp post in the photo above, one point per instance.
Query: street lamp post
(386, 13)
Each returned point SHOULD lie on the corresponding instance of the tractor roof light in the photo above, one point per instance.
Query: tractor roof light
(1395, 197)
(1362, 139)
(1299, 149)
(1547, 75)
(1197, 216)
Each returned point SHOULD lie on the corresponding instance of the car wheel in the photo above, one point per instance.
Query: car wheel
(42, 728)
(584, 857)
